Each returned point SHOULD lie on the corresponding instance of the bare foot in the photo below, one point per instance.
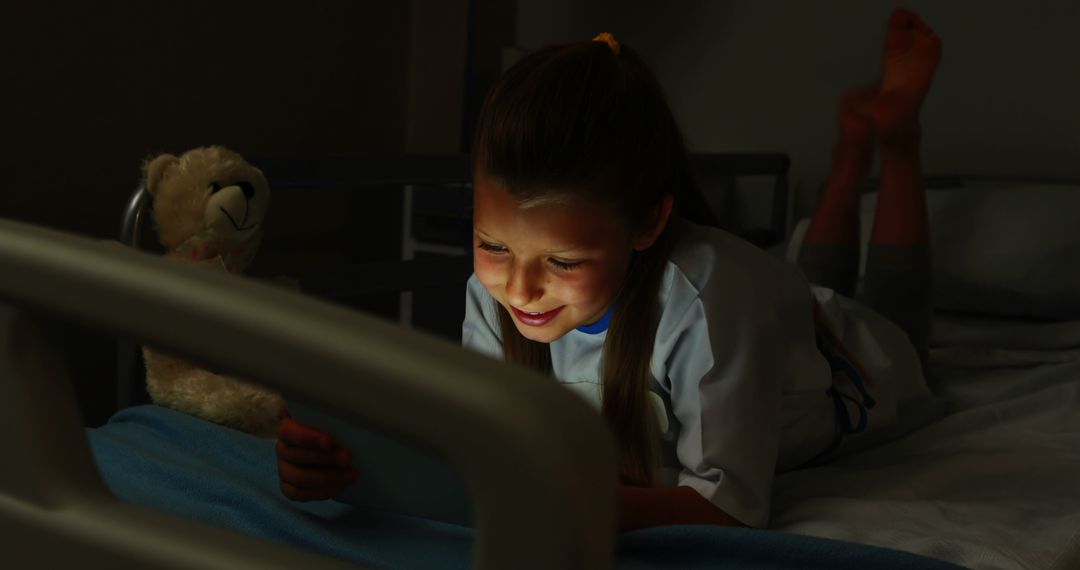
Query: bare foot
(911, 55)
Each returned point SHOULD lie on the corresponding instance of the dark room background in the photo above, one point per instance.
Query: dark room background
(91, 89)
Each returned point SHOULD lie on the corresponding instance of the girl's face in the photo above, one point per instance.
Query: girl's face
(553, 266)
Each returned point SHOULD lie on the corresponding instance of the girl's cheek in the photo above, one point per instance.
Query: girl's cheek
(487, 270)
(574, 287)
(595, 286)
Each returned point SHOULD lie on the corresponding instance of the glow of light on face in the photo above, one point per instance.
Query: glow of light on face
(565, 257)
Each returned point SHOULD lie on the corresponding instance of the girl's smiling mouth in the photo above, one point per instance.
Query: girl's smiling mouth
(533, 319)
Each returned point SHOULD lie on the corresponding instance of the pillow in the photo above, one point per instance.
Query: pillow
(1008, 249)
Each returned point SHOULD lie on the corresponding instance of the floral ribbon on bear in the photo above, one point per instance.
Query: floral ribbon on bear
(208, 248)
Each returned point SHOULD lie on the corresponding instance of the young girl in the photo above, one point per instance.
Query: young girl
(715, 363)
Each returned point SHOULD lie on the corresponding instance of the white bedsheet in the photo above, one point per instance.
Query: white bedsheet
(995, 483)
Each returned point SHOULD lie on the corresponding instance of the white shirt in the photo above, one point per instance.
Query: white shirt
(740, 383)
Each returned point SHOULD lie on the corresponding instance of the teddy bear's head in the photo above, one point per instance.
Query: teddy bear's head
(208, 202)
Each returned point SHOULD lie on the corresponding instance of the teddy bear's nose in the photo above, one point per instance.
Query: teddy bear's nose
(248, 188)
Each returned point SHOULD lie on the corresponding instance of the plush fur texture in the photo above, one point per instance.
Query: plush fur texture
(212, 198)
(182, 190)
(176, 383)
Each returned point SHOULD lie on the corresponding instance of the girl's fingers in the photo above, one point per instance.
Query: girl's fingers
(310, 466)
(329, 479)
(336, 457)
(299, 435)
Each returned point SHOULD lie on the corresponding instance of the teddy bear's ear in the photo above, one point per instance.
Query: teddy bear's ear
(262, 177)
(156, 169)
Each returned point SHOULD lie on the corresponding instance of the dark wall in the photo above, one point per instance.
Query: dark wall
(746, 75)
(89, 90)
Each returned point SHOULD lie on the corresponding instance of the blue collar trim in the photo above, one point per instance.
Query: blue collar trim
(601, 325)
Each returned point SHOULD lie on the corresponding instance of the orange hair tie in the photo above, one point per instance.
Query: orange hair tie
(609, 40)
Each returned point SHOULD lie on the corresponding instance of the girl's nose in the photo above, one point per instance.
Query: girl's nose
(523, 285)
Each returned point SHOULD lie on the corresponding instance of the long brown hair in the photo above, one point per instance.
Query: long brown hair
(585, 121)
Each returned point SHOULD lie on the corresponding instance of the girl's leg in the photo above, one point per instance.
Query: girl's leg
(829, 255)
(898, 269)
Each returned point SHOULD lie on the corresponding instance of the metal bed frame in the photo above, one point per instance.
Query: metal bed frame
(56, 512)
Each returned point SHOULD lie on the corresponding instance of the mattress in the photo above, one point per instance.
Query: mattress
(992, 483)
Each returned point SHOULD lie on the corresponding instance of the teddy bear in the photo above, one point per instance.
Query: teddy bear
(209, 205)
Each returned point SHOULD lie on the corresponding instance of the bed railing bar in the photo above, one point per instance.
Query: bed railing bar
(949, 181)
(135, 214)
(55, 511)
(773, 164)
(32, 383)
(1069, 556)
(130, 388)
(539, 462)
(358, 170)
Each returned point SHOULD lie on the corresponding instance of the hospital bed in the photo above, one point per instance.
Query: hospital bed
(989, 482)
(539, 462)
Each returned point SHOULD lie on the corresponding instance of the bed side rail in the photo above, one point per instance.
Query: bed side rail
(506, 429)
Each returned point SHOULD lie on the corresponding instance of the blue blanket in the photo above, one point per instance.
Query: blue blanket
(168, 460)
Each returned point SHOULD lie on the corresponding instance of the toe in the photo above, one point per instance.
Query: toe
(902, 19)
(920, 25)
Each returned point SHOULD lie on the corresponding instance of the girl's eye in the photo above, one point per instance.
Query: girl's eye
(565, 265)
(490, 247)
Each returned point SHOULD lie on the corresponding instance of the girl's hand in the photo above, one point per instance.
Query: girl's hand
(311, 467)
(642, 507)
